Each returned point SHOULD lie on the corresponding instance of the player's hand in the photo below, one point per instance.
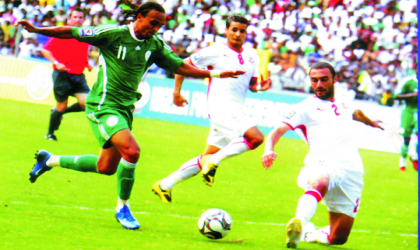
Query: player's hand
(179, 100)
(231, 73)
(26, 25)
(89, 67)
(61, 67)
(265, 84)
(376, 124)
(268, 159)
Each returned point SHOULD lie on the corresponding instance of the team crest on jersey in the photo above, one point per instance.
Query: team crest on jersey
(147, 55)
(290, 115)
(251, 60)
(85, 32)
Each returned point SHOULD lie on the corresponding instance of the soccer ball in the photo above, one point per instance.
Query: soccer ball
(214, 223)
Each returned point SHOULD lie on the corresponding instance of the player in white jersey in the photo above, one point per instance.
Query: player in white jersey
(333, 167)
(231, 133)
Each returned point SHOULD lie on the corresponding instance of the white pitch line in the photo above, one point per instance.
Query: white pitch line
(191, 217)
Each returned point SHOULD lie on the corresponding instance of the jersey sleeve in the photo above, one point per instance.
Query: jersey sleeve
(165, 58)
(99, 36)
(204, 58)
(296, 117)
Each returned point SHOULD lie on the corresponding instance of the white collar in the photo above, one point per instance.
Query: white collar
(131, 29)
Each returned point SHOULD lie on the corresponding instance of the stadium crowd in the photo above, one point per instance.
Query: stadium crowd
(372, 43)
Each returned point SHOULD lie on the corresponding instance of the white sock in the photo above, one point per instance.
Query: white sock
(319, 236)
(412, 150)
(54, 161)
(402, 162)
(121, 203)
(307, 205)
(235, 147)
(186, 171)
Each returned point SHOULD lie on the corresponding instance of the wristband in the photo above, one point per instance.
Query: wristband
(215, 73)
(55, 62)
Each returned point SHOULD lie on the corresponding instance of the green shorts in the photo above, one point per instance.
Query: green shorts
(108, 121)
(408, 123)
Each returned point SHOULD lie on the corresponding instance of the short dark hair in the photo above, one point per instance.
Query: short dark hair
(143, 9)
(236, 18)
(323, 65)
(78, 10)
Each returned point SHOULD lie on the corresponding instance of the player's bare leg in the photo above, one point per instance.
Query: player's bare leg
(306, 208)
(336, 233)
(128, 155)
(254, 137)
(251, 140)
(163, 188)
(120, 158)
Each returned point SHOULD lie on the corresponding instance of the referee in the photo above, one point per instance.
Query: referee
(69, 58)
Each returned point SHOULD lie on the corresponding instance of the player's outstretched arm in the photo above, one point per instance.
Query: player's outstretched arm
(59, 32)
(191, 71)
(358, 115)
(273, 137)
(179, 100)
(406, 96)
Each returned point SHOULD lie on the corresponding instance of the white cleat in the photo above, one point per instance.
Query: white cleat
(293, 232)
(308, 231)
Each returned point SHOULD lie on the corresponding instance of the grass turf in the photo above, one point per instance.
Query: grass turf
(73, 210)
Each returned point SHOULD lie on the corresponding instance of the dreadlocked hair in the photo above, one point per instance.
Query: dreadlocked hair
(143, 9)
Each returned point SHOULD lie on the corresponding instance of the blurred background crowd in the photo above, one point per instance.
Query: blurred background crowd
(372, 43)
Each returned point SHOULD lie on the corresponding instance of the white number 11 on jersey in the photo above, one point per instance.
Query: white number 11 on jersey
(123, 50)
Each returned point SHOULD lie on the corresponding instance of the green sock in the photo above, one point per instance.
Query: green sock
(125, 179)
(82, 163)
(404, 151)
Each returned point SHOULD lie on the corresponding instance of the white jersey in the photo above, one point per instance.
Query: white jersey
(227, 95)
(330, 131)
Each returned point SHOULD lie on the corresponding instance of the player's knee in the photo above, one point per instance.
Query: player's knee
(133, 154)
(256, 141)
(107, 169)
(107, 166)
(338, 239)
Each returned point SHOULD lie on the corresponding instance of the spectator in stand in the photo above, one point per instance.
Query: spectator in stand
(27, 48)
(386, 32)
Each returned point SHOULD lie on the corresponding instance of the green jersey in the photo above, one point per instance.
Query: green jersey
(124, 59)
(410, 86)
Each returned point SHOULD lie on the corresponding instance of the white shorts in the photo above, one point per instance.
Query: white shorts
(344, 190)
(226, 127)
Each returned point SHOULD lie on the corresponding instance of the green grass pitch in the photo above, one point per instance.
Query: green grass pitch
(65, 209)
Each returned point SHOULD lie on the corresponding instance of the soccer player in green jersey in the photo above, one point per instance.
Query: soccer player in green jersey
(408, 93)
(126, 52)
